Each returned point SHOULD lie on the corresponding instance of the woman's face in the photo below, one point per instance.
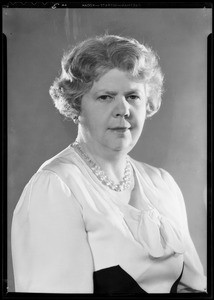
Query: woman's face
(113, 113)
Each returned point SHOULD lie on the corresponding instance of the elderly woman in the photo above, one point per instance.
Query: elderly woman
(92, 219)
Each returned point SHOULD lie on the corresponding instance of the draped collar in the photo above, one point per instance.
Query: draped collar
(155, 220)
(153, 214)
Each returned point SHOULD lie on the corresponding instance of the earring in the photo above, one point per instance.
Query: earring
(76, 119)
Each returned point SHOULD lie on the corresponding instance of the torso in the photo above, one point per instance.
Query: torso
(118, 222)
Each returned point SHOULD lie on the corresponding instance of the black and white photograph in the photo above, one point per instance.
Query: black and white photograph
(107, 149)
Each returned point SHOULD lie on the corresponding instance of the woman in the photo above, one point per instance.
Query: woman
(92, 219)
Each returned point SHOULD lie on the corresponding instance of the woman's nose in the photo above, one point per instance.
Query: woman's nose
(122, 108)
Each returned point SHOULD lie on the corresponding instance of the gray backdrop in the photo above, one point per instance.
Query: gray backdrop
(174, 139)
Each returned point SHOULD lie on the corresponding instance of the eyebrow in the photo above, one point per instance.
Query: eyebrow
(106, 92)
(134, 91)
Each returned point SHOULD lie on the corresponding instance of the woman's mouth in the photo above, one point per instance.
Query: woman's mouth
(120, 129)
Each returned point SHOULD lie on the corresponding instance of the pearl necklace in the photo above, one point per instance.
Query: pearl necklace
(125, 184)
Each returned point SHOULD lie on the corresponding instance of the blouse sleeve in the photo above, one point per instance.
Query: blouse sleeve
(50, 250)
(193, 279)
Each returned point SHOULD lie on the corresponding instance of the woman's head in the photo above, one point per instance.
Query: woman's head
(87, 62)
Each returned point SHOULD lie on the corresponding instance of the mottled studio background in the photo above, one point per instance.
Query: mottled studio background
(174, 139)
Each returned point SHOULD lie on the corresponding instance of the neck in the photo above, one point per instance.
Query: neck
(112, 162)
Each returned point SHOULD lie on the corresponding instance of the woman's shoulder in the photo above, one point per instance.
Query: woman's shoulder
(49, 181)
(54, 172)
(62, 164)
(152, 171)
(156, 174)
(160, 176)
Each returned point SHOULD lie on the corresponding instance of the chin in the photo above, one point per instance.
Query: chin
(123, 147)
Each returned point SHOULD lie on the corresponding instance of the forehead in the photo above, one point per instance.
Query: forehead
(115, 80)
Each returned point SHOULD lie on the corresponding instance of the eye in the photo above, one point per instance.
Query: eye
(133, 98)
(105, 98)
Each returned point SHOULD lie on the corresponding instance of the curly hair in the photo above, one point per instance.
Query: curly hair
(89, 60)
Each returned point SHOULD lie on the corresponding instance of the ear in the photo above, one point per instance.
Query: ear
(151, 109)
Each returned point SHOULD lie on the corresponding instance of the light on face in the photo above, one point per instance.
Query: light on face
(113, 111)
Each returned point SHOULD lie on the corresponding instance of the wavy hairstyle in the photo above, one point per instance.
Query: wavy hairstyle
(89, 60)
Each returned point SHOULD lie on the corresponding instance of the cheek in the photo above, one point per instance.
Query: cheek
(139, 116)
(92, 121)
(139, 125)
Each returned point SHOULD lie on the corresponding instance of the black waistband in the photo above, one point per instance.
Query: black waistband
(115, 280)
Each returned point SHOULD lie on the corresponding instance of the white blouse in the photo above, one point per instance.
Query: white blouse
(67, 226)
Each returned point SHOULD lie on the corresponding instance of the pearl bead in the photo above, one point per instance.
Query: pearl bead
(124, 184)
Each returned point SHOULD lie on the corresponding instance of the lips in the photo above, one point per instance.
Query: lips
(120, 129)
